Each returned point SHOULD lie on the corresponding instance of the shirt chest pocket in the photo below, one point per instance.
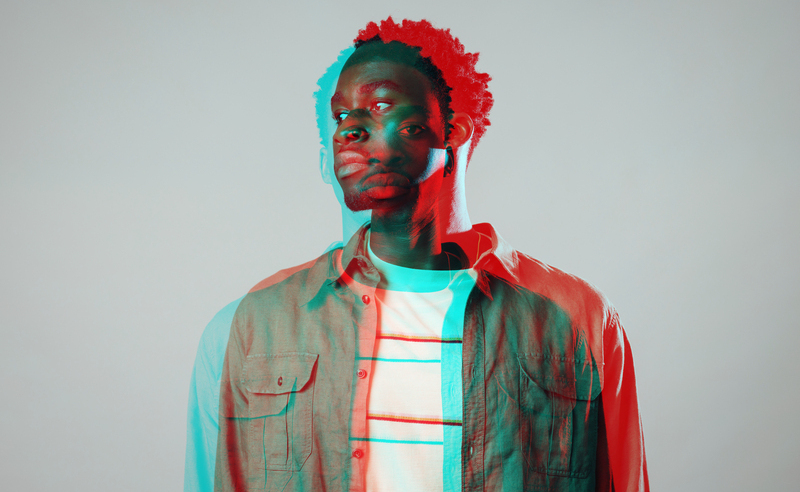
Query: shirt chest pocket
(280, 403)
(558, 416)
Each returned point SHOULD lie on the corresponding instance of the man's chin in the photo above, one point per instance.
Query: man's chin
(357, 202)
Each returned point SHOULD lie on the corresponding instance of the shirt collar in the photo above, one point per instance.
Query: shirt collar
(497, 259)
(492, 256)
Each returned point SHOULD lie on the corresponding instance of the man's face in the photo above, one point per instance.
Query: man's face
(389, 136)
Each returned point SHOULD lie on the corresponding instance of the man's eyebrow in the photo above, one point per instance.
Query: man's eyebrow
(373, 86)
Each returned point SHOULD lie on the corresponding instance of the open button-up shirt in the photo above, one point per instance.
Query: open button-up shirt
(549, 394)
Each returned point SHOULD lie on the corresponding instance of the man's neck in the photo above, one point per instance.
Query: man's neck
(416, 242)
(407, 243)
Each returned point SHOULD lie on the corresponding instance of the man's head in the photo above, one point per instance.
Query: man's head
(441, 57)
(397, 112)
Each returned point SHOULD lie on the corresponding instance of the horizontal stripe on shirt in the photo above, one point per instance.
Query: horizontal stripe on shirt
(413, 338)
(413, 420)
(394, 441)
(385, 359)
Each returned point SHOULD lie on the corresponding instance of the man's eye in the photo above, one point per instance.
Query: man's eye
(380, 106)
(340, 116)
(411, 130)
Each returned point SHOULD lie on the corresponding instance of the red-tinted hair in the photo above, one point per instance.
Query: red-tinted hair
(468, 89)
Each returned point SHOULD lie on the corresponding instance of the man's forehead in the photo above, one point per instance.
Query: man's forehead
(380, 84)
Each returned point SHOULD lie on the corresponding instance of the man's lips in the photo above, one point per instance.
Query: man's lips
(349, 162)
(386, 185)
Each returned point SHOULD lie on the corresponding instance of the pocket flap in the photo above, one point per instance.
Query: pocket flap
(561, 377)
(276, 374)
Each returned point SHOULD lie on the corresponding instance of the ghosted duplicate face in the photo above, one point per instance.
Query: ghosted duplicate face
(389, 140)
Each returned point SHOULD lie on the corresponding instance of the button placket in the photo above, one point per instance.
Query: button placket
(365, 317)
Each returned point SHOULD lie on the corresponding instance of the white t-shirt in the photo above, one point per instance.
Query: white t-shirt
(415, 395)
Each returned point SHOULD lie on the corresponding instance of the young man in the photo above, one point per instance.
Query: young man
(426, 354)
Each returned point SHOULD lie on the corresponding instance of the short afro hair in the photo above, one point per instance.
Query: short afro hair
(467, 88)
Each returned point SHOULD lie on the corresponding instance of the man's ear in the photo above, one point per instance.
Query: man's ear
(325, 165)
(461, 128)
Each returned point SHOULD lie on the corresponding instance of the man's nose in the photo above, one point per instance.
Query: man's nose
(351, 134)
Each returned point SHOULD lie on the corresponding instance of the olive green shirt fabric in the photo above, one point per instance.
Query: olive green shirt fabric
(549, 393)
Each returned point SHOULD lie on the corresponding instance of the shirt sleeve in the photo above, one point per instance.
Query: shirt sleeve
(203, 415)
(232, 457)
(622, 465)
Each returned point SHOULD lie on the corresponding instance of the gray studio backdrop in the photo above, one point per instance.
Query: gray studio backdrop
(157, 159)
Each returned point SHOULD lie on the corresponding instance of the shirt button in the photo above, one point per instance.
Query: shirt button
(280, 380)
(358, 454)
(365, 299)
(362, 373)
(471, 450)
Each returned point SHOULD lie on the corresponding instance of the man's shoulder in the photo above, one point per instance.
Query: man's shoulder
(570, 292)
(524, 272)
(587, 309)
(544, 277)
(293, 281)
(281, 275)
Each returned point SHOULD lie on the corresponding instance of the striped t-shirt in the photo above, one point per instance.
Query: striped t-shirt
(415, 395)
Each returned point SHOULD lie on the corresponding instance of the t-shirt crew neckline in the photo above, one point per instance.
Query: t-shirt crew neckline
(399, 278)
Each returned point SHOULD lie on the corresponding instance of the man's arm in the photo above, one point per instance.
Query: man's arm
(232, 456)
(622, 431)
(203, 417)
